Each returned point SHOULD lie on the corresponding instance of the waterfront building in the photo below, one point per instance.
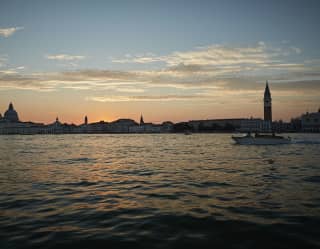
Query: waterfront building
(254, 125)
(167, 127)
(281, 126)
(98, 127)
(143, 127)
(11, 115)
(55, 127)
(121, 125)
(310, 122)
(22, 128)
(146, 128)
(215, 124)
(10, 124)
(136, 129)
(295, 124)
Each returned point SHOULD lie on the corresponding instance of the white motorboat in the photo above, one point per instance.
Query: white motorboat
(261, 139)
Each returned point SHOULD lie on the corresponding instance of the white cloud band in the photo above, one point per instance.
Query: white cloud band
(6, 32)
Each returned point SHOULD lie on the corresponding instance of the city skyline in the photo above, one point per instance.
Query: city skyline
(167, 60)
(267, 113)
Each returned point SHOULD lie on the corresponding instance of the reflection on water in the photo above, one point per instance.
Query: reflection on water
(165, 191)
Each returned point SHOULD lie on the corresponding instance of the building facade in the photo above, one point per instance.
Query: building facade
(11, 115)
(310, 122)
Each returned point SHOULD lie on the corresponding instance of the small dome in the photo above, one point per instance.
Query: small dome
(11, 115)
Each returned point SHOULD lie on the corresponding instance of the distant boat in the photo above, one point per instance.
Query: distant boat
(261, 139)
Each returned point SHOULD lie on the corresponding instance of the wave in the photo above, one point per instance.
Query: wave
(69, 161)
(119, 230)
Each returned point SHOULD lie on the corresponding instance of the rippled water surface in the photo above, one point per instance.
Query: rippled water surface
(158, 191)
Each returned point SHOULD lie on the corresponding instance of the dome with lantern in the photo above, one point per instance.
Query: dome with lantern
(11, 114)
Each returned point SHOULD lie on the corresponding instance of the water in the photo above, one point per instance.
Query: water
(158, 191)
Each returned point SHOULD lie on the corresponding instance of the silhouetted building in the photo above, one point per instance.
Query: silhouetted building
(296, 124)
(11, 115)
(167, 127)
(281, 126)
(121, 125)
(141, 120)
(267, 104)
(208, 125)
(255, 125)
(311, 122)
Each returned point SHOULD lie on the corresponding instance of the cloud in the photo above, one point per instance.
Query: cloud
(84, 79)
(208, 65)
(221, 58)
(296, 50)
(8, 71)
(213, 73)
(144, 81)
(311, 86)
(3, 60)
(23, 82)
(6, 32)
(65, 57)
(129, 90)
(148, 98)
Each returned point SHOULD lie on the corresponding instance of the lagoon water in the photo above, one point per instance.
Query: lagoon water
(158, 191)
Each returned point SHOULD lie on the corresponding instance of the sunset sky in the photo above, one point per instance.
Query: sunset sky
(169, 60)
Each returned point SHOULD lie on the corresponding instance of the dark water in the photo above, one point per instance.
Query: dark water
(158, 191)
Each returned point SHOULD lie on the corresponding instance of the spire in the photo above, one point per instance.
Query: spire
(141, 120)
(11, 106)
(267, 93)
(85, 120)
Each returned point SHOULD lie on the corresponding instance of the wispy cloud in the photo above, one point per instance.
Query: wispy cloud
(148, 98)
(3, 60)
(296, 50)
(211, 73)
(213, 54)
(8, 71)
(65, 57)
(6, 32)
(221, 60)
(141, 81)
(140, 58)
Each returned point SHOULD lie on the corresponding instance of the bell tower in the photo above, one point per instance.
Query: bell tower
(267, 104)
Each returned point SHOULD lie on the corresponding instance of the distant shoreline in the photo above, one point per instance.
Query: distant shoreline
(150, 133)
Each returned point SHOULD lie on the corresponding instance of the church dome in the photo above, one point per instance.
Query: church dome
(11, 114)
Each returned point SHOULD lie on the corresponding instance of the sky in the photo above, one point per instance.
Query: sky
(168, 60)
